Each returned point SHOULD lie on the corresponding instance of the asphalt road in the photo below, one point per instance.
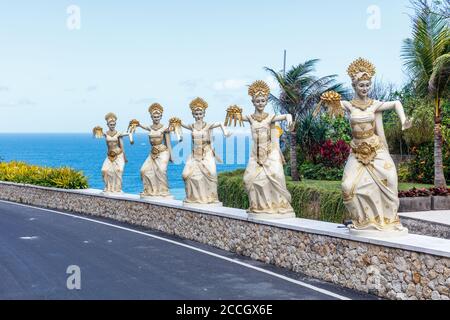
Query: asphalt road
(118, 261)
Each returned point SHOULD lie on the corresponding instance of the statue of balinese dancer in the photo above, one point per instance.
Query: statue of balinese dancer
(369, 183)
(113, 166)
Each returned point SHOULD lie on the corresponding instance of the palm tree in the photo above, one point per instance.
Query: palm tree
(300, 92)
(427, 58)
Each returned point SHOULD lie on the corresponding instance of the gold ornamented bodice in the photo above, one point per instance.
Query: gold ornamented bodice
(156, 137)
(365, 143)
(262, 137)
(362, 123)
(113, 144)
(201, 141)
(112, 141)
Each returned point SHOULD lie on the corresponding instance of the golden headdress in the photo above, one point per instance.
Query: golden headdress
(155, 107)
(258, 88)
(198, 103)
(363, 66)
(110, 116)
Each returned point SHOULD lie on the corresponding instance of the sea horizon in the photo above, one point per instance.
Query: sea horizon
(82, 152)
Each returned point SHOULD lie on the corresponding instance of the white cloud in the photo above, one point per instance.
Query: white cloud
(272, 83)
(92, 88)
(237, 84)
(18, 103)
(142, 101)
(230, 84)
(191, 85)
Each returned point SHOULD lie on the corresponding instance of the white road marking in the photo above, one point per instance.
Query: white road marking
(300, 283)
(29, 238)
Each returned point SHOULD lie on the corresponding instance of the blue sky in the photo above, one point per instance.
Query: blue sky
(128, 54)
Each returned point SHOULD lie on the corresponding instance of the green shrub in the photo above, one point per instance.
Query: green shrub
(320, 172)
(21, 172)
(421, 168)
(404, 174)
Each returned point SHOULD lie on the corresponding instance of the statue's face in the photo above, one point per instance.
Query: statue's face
(112, 125)
(362, 88)
(260, 103)
(156, 117)
(198, 114)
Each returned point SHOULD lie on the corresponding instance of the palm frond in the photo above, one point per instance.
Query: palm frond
(430, 39)
(439, 80)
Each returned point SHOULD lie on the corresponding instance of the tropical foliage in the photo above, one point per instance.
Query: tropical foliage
(21, 172)
(300, 91)
(426, 57)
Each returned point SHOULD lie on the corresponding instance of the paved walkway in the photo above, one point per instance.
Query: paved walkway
(437, 216)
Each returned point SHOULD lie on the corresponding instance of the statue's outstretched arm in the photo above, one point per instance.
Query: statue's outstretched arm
(186, 126)
(127, 134)
(144, 127)
(284, 117)
(397, 105)
(221, 126)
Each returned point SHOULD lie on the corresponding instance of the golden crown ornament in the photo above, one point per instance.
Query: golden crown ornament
(363, 66)
(259, 88)
(110, 116)
(155, 107)
(198, 103)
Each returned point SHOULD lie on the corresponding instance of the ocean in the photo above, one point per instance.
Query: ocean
(83, 152)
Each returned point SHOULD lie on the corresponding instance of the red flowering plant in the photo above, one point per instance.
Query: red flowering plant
(422, 192)
(414, 192)
(332, 154)
(441, 191)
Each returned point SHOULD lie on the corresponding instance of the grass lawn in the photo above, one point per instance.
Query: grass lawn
(336, 185)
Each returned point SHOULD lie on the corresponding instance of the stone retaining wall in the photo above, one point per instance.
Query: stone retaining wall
(426, 228)
(388, 272)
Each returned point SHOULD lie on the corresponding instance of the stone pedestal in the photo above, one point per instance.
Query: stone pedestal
(271, 216)
(115, 194)
(202, 205)
(377, 233)
(169, 197)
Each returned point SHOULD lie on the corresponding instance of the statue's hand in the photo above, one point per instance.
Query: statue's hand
(133, 125)
(291, 126)
(407, 124)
